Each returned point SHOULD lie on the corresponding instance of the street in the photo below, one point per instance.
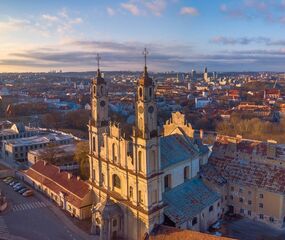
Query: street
(31, 218)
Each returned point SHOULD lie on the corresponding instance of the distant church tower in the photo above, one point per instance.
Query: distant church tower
(206, 75)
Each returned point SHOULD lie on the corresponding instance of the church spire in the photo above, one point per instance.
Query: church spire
(98, 58)
(145, 80)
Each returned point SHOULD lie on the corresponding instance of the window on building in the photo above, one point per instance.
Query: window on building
(232, 188)
(249, 192)
(211, 208)
(231, 197)
(116, 181)
(261, 216)
(271, 219)
(261, 205)
(102, 178)
(249, 202)
(240, 190)
(260, 195)
(226, 197)
(249, 213)
(93, 144)
(241, 200)
(114, 152)
(115, 222)
(140, 197)
(131, 192)
(140, 162)
(241, 210)
(167, 182)
(218, 204)
(154, 196)
(186, 173)
(194, 221)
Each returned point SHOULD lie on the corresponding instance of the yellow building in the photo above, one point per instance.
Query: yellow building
(250, 175)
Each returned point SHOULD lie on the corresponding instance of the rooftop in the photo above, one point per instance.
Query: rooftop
(176, 148)
(187, 200)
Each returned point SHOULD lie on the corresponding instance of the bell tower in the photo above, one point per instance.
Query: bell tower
(146, 151)
(98, 123)
(146, 109)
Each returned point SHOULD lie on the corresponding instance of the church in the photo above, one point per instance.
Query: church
(144, 175)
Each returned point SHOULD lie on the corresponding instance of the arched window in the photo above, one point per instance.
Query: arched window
(94, 89)
(116, 181)
(211, 208)
(186, 173)
(140, 161)
(102, 88)
(194, 221)
(150, 92)
(140, 92)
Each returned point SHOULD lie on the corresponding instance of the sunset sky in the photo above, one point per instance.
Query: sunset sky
(228, 35)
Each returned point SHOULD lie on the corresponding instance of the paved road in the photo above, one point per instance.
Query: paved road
(31, 218)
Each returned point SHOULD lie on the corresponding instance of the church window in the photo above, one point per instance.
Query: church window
(154, 197)
(140, 197)
(94, 174)
(167, 182)
(140, 162)
(114, 155)
(116, 181)
(94, 89)
(150, 92)
(194, 221)
(186, 173)
(102, 178)
(131, 192)
(93, 144)
(115, 222)
(102, 88)
(140, 92)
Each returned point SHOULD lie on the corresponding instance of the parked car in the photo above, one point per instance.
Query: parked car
(19, 188)
(16, 185)
(13, 183)
(7, 179)
(28, 193)
(24, 189)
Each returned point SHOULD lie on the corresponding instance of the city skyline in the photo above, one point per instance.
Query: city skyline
(243, 35)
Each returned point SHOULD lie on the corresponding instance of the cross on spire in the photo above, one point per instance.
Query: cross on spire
(98, 58)
(145, 53)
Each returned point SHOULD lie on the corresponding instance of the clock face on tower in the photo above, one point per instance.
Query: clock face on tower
(151, 109)
(140, 109)
(102, 103)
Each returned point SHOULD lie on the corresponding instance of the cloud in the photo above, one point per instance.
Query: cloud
(189, 11)
(271, 11)
(132, 8)
(110, 11)
(156, 6)
(49, 18)
(81, 56)
(246, 41)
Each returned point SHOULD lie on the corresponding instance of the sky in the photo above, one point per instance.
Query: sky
(180, 35)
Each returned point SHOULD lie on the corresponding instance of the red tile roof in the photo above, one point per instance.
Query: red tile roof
(51, 177)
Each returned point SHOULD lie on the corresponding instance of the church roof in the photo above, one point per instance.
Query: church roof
(145, 80)
(162, 232)
(187, 200)
(176, 148)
